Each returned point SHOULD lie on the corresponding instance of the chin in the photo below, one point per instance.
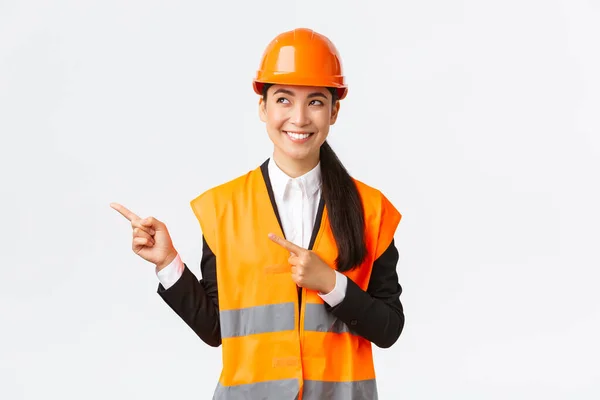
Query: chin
(296, 154)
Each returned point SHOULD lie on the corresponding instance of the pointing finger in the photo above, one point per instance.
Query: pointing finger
(286, 244)
(124, 211)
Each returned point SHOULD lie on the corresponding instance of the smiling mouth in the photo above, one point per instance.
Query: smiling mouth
(298, 136)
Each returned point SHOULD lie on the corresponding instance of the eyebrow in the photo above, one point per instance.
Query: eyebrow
(290, 93)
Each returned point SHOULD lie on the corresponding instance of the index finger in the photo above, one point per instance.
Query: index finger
(286, 244)
(124, 211)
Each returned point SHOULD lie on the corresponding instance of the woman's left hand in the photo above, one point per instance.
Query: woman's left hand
(308, 269)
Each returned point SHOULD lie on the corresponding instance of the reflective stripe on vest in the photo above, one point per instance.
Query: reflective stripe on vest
(288, 389)
(273, 347)
(276, 318)
(258, 319)
(280, 389)
(357, 390)
(318, 319)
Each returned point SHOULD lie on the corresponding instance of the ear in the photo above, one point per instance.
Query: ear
(334, 113)
(262, 110)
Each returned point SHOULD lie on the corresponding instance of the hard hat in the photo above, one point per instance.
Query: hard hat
(301, 57)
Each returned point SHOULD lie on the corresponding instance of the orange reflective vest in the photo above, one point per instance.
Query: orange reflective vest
(272, 346)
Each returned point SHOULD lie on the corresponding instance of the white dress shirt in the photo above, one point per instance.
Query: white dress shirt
(297, 201)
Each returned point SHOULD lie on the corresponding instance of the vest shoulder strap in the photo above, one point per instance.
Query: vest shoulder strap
(207, 206)
(203, 207)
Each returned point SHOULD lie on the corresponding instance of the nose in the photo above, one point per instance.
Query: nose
(299, 116)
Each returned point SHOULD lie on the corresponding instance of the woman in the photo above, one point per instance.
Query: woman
(299, 262)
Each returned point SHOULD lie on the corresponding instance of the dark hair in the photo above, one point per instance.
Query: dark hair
(343, 202)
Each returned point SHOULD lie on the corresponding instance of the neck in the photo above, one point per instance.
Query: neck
(293, 167)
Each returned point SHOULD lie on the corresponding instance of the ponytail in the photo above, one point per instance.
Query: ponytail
(345, 210)
(344, 205)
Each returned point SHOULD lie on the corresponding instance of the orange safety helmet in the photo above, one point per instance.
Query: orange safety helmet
(301, 57)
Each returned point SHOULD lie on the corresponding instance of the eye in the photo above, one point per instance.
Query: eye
(282, 100)
(316, 102)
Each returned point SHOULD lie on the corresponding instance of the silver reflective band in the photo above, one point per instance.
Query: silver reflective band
(259, 319)
(270, 390)
(355, 390)
(318, 319)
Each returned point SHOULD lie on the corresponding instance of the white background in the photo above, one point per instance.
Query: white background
(478, 119)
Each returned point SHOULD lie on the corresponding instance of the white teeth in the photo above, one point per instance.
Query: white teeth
(298, 136)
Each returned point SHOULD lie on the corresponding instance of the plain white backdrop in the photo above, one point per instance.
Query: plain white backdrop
(478, 119)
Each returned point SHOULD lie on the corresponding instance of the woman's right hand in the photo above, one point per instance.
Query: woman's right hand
(151, 239)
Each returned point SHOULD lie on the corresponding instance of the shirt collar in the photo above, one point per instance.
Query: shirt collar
(310, 182)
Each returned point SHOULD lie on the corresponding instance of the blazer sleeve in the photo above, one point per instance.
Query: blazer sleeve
(196, 301)
(376, 314)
